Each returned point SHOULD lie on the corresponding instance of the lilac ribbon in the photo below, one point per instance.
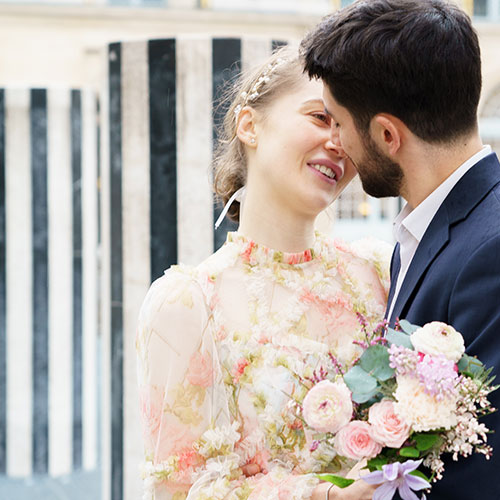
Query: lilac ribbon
(397, 476)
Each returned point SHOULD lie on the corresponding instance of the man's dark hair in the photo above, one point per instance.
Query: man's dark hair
(418, 60)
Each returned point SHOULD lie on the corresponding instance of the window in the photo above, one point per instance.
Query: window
(487, 10)
(481, 8)
(139, 3)
(318, 7)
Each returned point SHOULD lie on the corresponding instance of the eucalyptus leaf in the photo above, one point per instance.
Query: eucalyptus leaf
(339, 481)
(409, 451)
(362, 385)
(469, 365)
(363, 397)
(358, 379)
(375, 361)
(399, 338)
(407, 326)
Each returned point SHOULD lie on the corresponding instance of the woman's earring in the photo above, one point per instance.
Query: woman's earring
(252, 140)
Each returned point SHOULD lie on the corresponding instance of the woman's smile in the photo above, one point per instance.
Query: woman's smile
(327, 170)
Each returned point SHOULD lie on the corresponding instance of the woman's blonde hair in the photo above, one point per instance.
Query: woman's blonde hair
(282, 71)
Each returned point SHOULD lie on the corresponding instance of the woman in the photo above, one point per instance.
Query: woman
(216, 342)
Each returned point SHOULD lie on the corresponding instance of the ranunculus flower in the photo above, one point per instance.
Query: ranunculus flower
(200, 371)
(387, 428)
(439, 338)
(354, 441)
(327, 406)
(420, 410)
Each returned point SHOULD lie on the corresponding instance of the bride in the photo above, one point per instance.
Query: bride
(215, 341)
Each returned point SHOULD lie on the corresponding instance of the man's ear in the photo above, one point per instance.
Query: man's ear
(246, 128)
(388, 132)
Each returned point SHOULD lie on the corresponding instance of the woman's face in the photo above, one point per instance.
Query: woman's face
(296, 161)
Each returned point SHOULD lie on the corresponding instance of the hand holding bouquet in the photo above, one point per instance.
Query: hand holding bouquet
(412, 396)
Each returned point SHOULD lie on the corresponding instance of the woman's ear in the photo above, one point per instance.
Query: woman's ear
(388, 132)
(246, 128)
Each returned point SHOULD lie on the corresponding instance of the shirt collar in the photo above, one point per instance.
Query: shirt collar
(417, 220)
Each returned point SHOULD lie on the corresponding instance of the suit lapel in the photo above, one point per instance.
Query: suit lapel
(395, 267)
(434, 239)
(468, 192)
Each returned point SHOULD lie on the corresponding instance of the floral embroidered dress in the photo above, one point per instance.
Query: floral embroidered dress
(217, 348)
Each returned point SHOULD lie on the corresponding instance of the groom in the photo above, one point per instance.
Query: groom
(402, 84)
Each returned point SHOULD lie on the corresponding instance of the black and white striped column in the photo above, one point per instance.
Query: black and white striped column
(157, 203)
(48, 281)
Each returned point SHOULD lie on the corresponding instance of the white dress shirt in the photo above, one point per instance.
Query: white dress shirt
(411, 224)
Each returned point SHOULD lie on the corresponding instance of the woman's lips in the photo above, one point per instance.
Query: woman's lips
(327, 169)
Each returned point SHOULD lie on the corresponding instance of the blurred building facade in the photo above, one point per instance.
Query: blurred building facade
(63, 42)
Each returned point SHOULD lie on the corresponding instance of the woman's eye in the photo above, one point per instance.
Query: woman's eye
(323, 117)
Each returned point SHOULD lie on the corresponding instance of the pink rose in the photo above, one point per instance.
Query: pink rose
(200, 371)
(354, 441)
(386, 427)
(327, 406)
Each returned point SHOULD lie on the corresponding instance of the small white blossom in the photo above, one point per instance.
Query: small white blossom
(219, 440)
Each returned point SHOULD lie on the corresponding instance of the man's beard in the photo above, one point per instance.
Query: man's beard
(379, 175)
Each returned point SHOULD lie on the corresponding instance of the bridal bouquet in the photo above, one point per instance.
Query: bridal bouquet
(412, 396)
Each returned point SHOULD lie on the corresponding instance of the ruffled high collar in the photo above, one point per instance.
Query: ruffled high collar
(254, 253)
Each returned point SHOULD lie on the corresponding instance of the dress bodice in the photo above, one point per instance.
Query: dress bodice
(219, 348)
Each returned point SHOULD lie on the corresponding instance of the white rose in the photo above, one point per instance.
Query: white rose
(421, 411)
(439, 338)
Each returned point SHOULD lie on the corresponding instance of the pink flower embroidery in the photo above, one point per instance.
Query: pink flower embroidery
(189, 460)
(294, 259)
(299, 258)
(246, 254)
(239, 369)
(327, 307)
(200, 370)
(151, 408)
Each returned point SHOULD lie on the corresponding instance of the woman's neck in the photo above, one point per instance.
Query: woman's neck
(268, 222)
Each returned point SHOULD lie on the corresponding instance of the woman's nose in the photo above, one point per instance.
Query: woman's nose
(333, 144)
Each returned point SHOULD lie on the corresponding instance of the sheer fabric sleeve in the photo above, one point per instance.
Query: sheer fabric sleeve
(193, 446)
(177, 375)
(378, 254)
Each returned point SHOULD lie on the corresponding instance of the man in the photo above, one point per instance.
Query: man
(402, 85)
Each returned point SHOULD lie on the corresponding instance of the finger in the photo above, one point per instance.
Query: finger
(251, 469)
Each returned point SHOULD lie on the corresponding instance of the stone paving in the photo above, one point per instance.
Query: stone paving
(77, 486)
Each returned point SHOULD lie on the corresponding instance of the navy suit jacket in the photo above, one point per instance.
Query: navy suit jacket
(454, 277)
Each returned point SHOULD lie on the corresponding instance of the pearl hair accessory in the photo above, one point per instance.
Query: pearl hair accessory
(264, 78)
